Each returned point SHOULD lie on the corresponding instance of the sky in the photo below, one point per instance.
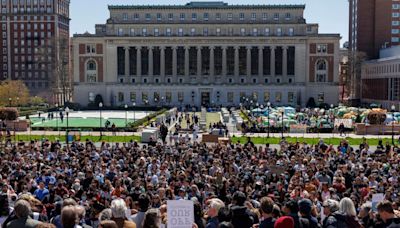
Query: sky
(331, 15)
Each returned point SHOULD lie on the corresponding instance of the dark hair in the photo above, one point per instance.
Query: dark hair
(224, 214)
(267, 205)
(144, 202)
(292, 206)
(239, 197)
(385, 206)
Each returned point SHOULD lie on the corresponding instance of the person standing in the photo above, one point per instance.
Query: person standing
(213, 208)
(267, 207)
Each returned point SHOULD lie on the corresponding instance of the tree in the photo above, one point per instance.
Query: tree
(36, 100)
(13, 93)
(311, 103)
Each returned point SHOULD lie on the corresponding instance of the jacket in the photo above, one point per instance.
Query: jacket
(242, 217)
(23, 223)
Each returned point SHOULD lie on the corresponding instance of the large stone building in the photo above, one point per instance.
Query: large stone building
(206, 53)
(34, 46)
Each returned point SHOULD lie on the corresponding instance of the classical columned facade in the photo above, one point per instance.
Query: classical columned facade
(220, 55)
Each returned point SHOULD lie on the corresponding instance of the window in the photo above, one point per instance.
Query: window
(266, 96)
(288, 16)
(276, 16)
(132, 32)
(125, 16)
(91, 97)
(278, 97)
(264, 16)
(120, 97)
(395, 23)
(218, 31)
(253, 16)
(290, 97)
(218, 16)
(180, 31)
(395, 6)
(144, 31)
(205, 16)
(205, 32)
(91, 65)
(321, 70)
(291, 31)
(192, 31)
(395, 14)
(148, 17)
(182, 16)
(136, 16)
(180, 96)
(170, 16)
(243, 31)
(395, 39)
(120, 32)
(159, 17)
(255, 31)
(133, 96)
(230, 16)
(156, 32)
(90, 48)
(168, 31)
(241, 16)
(266, 80)
(395, 31)
(279, 31)
(230, 97)
(194, 16)
(322, 48)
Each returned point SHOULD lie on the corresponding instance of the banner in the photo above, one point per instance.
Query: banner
(298, 128)
(180, 213)
(348, 123)
(377, 198)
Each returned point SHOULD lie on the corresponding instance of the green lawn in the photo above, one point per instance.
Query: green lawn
(311, 141)
(212, 117)
(78, 122)
(83, 138)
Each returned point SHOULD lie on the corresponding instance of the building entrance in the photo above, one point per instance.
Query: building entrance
(205, 98)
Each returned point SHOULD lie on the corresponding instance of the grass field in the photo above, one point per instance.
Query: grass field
(311, 141)
(74, 122)
(211, 117)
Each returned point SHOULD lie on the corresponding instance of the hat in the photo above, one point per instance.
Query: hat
(305, 206)
(284, 222)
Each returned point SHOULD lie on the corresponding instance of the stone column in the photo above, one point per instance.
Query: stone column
(272, 60)
(248, 61)
(127, 61)
(186, 60)
(260, 61)
(212, 61)
(236, 60)
(162, 62)
(224, 60)
(150, 61)
(199, 61)
(139, 61)
(284, 61)
(174, 57)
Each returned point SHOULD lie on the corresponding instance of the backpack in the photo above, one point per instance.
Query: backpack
(308, 223)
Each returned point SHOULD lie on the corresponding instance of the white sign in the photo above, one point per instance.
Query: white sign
(180, 213)
(377, 198)
(348, 123)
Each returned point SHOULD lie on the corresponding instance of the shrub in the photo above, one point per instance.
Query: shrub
(8, 113)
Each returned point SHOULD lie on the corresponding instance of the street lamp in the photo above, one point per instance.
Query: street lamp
(9, 101)
(126, 115)
(282, 112)
(133, 107)
(17, 101)
(269, 108)
(100, 107)
(57, 121)
(67, 114)
(393, 108)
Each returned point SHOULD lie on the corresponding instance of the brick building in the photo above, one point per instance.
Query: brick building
(34, 46)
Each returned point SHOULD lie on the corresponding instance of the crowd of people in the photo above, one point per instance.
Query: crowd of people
(46, 184)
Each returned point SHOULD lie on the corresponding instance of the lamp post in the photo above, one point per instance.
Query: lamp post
(126, 115)
(100, 107)
(133, 107)
(393, 108)
(333, 120)
(269, 108)
(9, 101)
(282, 112)
(17, 103)
(67, 114)
(57, 121)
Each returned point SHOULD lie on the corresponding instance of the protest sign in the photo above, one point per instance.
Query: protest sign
(376, 198)
(180, 213)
